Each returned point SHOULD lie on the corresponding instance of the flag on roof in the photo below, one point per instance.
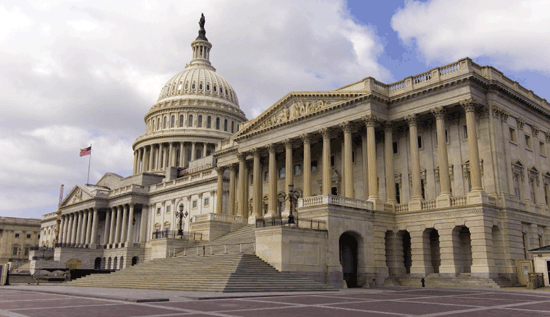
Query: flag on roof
(86, 151)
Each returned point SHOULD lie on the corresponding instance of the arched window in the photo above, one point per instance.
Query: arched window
(208, 87)
(173, 122)
(225, 125)
(158, 124)
(217, 123)
(165, 122)
(190, 123)
(221, 90)
(181, 121)
(215, 88)
(199, 154)
(209, 122)
(199, 122)
(232, 126)
(200, 86)
(193, 86)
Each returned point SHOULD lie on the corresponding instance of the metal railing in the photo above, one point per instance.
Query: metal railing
(69, 245)
(38, 248)
(215, 249)
(173, 234)
(298, 223)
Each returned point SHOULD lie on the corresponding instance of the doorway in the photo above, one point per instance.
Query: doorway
(348, 259)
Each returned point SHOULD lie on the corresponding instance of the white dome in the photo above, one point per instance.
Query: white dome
(198, 81)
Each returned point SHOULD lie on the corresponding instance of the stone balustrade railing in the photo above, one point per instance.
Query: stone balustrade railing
(50, 215)
(127, 189)
(428, 204)
(183, 180)
(199, 168)
(334, 200)
(218, 217)
(459, 201)
(401, 208)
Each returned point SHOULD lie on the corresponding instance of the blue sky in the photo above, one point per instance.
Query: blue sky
(75, 73)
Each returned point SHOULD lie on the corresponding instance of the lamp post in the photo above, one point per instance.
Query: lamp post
(181, 215)
(291, 196)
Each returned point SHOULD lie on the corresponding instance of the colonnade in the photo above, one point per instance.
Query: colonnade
(157, 157)
(80, 228)
(369, 147)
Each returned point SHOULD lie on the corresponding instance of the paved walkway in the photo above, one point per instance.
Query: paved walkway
(38, 301)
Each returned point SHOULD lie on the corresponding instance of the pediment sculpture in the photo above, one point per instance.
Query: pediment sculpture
(294, 111)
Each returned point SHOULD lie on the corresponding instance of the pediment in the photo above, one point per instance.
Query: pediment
(77, 194)
(295, 106)
(110, 180)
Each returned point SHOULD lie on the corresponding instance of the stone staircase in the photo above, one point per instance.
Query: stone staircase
(227, 270)
(462, 280)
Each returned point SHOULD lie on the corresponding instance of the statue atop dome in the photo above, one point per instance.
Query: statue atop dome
(202, 31)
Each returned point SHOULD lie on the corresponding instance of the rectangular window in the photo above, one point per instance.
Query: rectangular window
(542, 148)
(298, 169)
(395, 148)
(532, 185)
(546, 188)
(446, 136)
(266, 176)
(206, 201)
(28, 236)
(168, 209)
(15, 249)
(527, 141)
(158, 211)
(465, 128)
(517, 191)
(27, 251)
(314, 166)
(419, 142)
(17, 235)
(332, 161)
(397, 193)
(423, 186)
(195, 204)
(353, 156)
(512, 134)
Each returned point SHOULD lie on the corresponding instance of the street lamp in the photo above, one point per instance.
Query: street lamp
(292, 196)
(181, 215)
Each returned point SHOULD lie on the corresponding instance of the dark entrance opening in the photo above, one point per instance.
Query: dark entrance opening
(348, 258)
(97, 263)
(134, 260)
(548, 268)
(334, 191)
(407, 257)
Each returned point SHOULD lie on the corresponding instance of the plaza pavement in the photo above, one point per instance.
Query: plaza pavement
(61, 301)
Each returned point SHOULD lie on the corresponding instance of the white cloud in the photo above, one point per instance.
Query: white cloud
(75, 73)
(512, 33)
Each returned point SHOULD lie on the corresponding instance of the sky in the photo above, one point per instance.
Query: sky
(75, 73)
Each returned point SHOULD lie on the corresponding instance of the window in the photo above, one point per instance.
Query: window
(158, 211)
(15, 250)
(517, 191)
(208, 87)
(397, 193)
(173, 122)
(532, 186)
(190, 121)
(17, 235)
(193, 86)
(214, 88)
(225, 125)
(206, 202)
(542, 148)
(209, 122)
(282, 172)
(298, 169)
(200, 86)
(221, 90)
(199, 122)
(512, 134)
(419, 142)
(314, 166)
(168, 209)
(199, 154)
(265, 209)
(181, 121)
(27, 251)
(353, 156)
(528, 141)
(395, 148)
(546, 188)
(180, 86)
(465, 131)
(266, 176)
(281, 206)
(28, 236)
(194, 204)
(332, 161)
(158, 124)
(446, 136)
(423, 186)
(217, 123)
(232, 126)
(165, 123)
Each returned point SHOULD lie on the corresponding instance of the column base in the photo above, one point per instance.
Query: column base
(477, 197)
(377, 204)
(443, 200)
(252, 219)
(271, 214)
(415, 204)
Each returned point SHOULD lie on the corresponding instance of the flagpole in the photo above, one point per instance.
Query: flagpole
(89, 162)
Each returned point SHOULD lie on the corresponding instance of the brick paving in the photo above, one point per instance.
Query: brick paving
(60, 301)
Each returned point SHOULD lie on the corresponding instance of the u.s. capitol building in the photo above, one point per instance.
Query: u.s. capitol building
(443, 174)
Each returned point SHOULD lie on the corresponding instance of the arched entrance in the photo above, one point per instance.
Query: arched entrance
(134, 260)
(97, 264)
(115, 263)
(348, 258)
(109, 263)
(405, 238)
(462, 249)
(432, 237)
(74, 264)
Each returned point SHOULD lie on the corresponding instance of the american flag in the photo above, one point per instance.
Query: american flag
(86, 151)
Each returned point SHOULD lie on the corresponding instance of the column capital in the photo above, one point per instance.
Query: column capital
(504, 115)
(287, 143)
(469, 104)
(271, 147)
(241, 156)
(345, 126)
(521, 123)
(388, 126)
(325, 132)
(412, 119)
(370, 120)
(438, 112)
(306, 138)
(233, 167)
(219, 169)
(535, 129)
(255, 151)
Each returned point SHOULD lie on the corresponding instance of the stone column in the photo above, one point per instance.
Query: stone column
(257, 187)
(124, 229)
(326, 162)
(107, 225)
(246, 189)
(93, 239)
(388, 158)
(73, 227)
(444, 199)
(185, 157)
(219, 193)
(170, 154)
(420, 252)
(129, 239)
(365, 174)
(232, 176)
(272, 197)
(241, 201)
(475, 171)
(307, 165)
(193, 151)
(157, 163)
(88, 227)
(113, 225)
(481, 235)
(204, 149)
(415, 203)
(134, 170)
(182, 154)
(370, 123)
(151, 151)
(143, 223)
(447, 243)
(118, 224)
(289, 173)
(348, 162)
(78, 228)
